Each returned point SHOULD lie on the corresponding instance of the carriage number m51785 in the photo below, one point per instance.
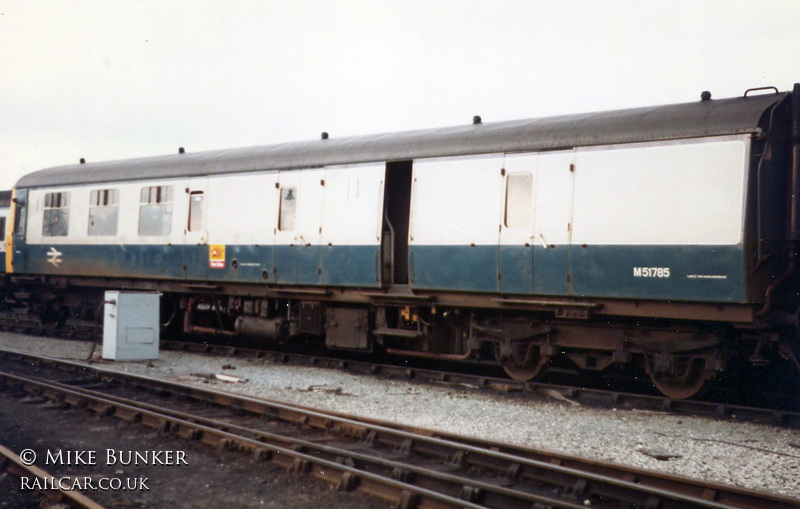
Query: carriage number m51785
(651, 272)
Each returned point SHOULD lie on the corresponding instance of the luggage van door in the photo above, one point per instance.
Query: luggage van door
(351, 225)
(535, 225)
(552, 224)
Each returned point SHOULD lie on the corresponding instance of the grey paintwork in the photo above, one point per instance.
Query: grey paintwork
(690, 120)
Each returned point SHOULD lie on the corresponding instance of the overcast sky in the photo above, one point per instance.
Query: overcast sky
(115, 79)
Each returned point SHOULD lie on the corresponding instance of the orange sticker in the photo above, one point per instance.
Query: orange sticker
(216, 256)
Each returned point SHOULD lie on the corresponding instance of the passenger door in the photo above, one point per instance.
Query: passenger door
(515, 253)
(201, 261)
(297, 235)
(16, 259)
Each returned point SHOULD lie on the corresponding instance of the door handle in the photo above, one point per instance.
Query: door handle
(544, 244)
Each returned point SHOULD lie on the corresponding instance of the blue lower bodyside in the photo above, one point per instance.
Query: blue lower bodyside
(462, 268)
(697, 273)
(685, 273)
(301, 265)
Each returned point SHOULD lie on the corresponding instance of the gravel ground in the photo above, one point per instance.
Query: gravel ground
(755, 456)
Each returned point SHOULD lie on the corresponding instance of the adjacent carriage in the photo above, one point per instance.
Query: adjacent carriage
(5, 204)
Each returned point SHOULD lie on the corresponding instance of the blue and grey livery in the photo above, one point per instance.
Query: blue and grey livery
(523, 238)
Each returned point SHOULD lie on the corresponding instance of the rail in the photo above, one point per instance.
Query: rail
(384, 460)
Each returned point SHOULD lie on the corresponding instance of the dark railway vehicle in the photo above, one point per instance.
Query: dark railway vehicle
(665, 237)
(5, 204)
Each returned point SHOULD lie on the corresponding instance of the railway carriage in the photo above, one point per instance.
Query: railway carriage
(663, 236)
(5, 204)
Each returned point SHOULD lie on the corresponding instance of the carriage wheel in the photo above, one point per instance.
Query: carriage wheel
(691, 383)
(528, 365)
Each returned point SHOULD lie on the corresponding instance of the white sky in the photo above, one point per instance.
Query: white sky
(115, 79)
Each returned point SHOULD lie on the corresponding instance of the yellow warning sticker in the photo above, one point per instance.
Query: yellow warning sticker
(216, 256)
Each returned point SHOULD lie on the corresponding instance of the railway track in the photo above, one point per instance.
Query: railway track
(25, 323)
(413, 468)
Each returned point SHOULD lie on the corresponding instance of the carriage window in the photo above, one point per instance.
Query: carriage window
(155, 211)
(56, 215)
(103, 212)
(288, 210)
(2, 231)
(196, 202)
(519, 200)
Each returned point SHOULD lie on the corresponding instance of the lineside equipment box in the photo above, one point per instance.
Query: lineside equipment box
(131, 326)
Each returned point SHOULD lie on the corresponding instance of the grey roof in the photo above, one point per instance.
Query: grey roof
(701, 118)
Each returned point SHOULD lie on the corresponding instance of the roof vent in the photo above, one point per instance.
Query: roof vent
(705, 95)
(476, 119)
(181, 150)
(83, 161)
(324, 135)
